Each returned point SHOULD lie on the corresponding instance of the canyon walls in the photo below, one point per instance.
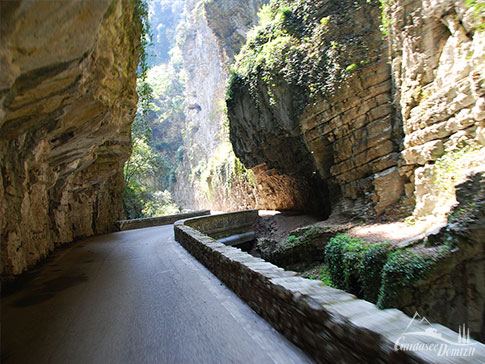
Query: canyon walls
(68, 98)
(364, 121)
(311, 99)
(438, 58)
(209, 175)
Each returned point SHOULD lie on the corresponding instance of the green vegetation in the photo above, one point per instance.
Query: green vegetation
(140, 126)
(478, 9)
(402, 269)
(376, 272)
(166, 119)
(319, 272)
(148, 173)
(221, 172)
(371, 266)
(452, 167)
(385, 16)
(300, 236)
(141, 196)
(294, 42)
(355, 264)
(351, 68)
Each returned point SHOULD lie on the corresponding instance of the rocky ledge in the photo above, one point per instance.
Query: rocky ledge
(68, 98)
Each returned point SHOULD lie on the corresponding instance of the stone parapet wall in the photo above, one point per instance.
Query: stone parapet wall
(223, 225)
(158, 220)
(329, 324)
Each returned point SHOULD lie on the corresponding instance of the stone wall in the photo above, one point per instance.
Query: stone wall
(158, 220)
(68, 98)
(329, 324)
(223, 225)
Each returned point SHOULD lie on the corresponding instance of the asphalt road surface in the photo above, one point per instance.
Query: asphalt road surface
(132, 297)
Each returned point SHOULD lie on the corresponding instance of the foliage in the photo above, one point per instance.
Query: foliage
(478, 9)
(371, 269)
(294, 43)
(319, 272)
(160, 204)
(221, 172)
(386, 20)
(141, 14)
(351, 68)
(164, 16)
(142, 196)
(140, 128)
(452, 167)
(166, 118)
(374, 271)
(343, 255)
(355, 265)
(300, 236)
(402, 269)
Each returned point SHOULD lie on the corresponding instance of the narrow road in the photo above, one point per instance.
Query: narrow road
(132, 297)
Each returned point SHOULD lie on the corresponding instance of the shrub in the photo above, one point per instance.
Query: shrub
(402, 269)
(371, 270)
(334, 258)
(355, 265)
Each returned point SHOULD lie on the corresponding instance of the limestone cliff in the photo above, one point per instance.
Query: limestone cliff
(208, 176)
(315, 97)
(438, 69)
(311, 99)
(68, 97)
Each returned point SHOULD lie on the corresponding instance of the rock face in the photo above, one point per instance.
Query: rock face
(454, 291)
(214, 32)
(438, 59)
(68, 97)
(320, 102)
(329, 122)
(203, 114)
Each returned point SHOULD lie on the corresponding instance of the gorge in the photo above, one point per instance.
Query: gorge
(364, 111)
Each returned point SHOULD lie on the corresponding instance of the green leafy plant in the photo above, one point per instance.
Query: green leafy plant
(371, 266)
(386, 20)
(319, 272)
(351, 68)
(291, 240)
(143, 195)
(478, 9)
(292, 47)
(402, 269)
(355, 265)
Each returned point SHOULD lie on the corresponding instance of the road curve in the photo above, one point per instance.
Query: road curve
(132, 297)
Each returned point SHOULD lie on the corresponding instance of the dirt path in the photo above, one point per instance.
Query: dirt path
(276, 225)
